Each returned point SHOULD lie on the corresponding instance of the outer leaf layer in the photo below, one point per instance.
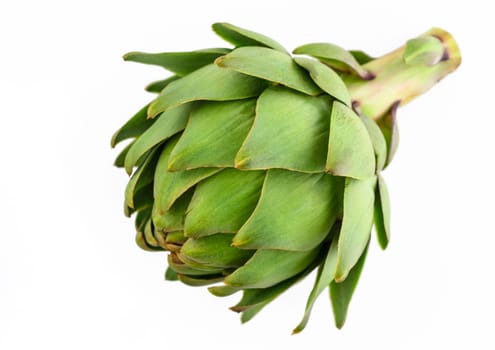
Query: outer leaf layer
(159, 85)
(222, 203)
(382, 212)
(186, 269)
(181, 63)
(341, 293)
(295, 212)
(120, 160)
(350, 151)
(388, 126)
(208, 83)
(253, 300)
(356, 224)
(378, 141)
(173, 218)
(268, 267)
(290, 131)
(326, 79)
(270, 65)
(141, 178)
(243, 37)
(216, 251)
(168, 186)
(168, 124)
(214, 134)
(133, 127)
(334, 56)
(325, 275)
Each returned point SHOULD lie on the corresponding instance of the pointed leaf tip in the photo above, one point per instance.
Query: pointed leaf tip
(356, 224)
(328, 80)
(168, 124)
(243, 37)
(271, 65)
(180, 63)
(388, 125)
(159, 85)
(295, 143)
(341, 293)
(350, 149)
(336, 57)
(378, 141)
(202, 84)
(325, 275)
(315, 199)
(382, 213)
(133, 127)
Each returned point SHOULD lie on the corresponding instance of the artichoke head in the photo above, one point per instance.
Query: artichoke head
(253, 168)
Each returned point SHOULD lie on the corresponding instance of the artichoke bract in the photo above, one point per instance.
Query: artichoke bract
(253, 168)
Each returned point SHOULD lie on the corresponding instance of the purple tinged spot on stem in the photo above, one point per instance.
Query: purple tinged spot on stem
(393, 110)
(355, 107)
(369, 75)
(446, 53)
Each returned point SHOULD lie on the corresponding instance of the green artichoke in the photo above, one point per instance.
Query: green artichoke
(252, 167)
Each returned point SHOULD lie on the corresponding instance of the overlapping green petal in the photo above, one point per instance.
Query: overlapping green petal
(149, 235)
(222, 203)
(200, 281)
(350, 150)
(253, 300)
(168, 124)
(325, 275)
(311, 201)
(141, 178)
(208, 83)
(133, 127)
(142, 198)
(336, 57)
(356, 224)
(142, 225)
(244, 37)
(326, 79)
(180, 63)
(290, 131)
(214, 251)
(382, 212)
(170, 274)
(270, 65)
(341, 293)
(266, 268)
(173, 218)
(378, 141)
(168, 186)
(214, 134)
(120, 160)
(159, 85)
(186, 269)
(388, 126)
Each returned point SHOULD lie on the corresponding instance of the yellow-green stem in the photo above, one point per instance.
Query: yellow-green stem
(395, 80)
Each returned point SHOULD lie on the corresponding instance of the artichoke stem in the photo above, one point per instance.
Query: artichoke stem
(395, 80)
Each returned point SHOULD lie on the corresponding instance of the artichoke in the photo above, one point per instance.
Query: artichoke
(253, 168)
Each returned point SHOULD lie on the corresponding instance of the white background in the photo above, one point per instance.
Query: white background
(71, 276)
